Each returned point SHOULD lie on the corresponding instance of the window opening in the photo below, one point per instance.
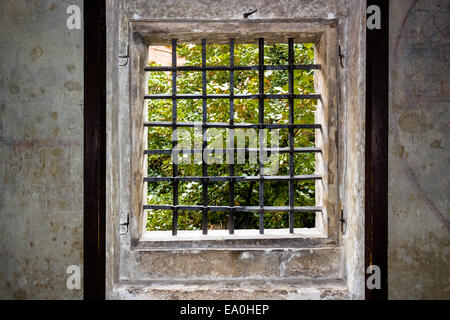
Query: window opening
(270, 98)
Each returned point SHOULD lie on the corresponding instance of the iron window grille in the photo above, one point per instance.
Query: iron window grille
(232, 178)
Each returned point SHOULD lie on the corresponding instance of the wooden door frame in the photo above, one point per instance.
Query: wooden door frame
(376, 170)
(94, 251)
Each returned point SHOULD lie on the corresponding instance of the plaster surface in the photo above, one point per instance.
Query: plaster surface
(41, 149)
(41, 153)
(245, 290)
(419, 117)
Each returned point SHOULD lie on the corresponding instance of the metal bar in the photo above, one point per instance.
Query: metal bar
(227, 96)
(291, 133)
(306, 67)
(204, 142)
(261, 96)
(235, 178)
(261, 133)
(236, 208)
(279, 150)
(174, 121)
(234, 125)
(231, 153)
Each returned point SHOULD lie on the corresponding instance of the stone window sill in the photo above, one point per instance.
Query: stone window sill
(243, 238)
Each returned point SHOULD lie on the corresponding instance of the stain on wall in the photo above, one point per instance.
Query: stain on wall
(41, 149)
(419, 117)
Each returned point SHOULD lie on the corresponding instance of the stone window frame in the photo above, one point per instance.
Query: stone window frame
(142, 33)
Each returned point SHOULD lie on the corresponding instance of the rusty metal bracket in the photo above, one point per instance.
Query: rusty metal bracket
(343, 221)
(341, 56)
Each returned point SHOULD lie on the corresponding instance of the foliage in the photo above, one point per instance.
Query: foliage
(246, 110)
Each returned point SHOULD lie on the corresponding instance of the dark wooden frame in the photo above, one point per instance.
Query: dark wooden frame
(94, 149)
(376, 188)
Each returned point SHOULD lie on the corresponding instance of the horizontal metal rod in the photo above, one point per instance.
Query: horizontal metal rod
(228, 96)
(235, 125)
(236, 178)
(225, 150)
(235, 68)
(235, 209)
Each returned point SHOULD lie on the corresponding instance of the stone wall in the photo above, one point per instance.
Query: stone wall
(419, 117)
(352, 141)
(131, 268)
(41, 149)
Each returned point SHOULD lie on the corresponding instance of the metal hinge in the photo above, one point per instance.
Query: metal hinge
(125, 224)
(342, 220)
(124, 55)
(341, 57)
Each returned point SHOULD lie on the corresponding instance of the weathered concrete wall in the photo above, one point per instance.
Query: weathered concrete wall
(351, 143)
(419, 117)
(129, 272)
(41, 146)
(41, 149)
(112, 125)
(250, 289)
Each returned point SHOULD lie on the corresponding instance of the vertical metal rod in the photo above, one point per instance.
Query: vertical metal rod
(174, 137)
(231, 152)
(261, 135)
(204, 142)
(291, 134)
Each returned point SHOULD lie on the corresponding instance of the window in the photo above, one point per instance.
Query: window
(207, 111)
(143, 261)
(195, 93)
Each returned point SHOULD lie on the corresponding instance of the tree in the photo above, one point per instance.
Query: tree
(246, 110)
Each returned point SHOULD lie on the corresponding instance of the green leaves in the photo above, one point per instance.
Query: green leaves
(245, 110)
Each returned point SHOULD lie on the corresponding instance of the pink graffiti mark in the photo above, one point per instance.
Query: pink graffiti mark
(405, 19)
(408, 168)
(413, 177)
